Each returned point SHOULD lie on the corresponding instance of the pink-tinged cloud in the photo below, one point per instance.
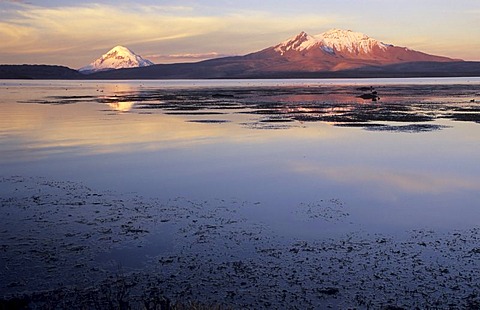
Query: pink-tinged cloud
(196, 56)
(187, 57)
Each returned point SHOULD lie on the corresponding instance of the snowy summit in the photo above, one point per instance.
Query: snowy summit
(117, 58)
(332, 41)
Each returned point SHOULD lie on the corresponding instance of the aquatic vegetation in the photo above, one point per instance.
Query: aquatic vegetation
(345, 106)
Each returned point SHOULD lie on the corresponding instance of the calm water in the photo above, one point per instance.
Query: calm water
(409, 160)
(218, 139)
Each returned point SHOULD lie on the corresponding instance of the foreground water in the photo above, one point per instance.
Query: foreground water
(260, 192)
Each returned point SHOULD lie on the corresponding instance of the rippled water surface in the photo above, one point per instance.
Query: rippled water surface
(269, 165)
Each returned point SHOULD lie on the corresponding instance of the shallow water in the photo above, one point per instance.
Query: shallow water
(399, 162)
(290, 160)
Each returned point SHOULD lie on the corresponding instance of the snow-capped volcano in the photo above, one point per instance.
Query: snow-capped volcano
(117, 58)
(332, 41)
(339, 49)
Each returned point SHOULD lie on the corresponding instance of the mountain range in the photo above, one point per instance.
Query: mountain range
(335, 53)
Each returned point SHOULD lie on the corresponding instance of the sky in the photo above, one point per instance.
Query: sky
(74, 33)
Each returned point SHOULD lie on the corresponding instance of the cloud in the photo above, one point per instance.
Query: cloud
(46, 29)
(196, 56)
(41, 29)
(186, 57)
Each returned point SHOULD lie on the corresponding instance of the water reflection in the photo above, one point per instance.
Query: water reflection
(398, 108)
(38, 130)
(188, 138)
(417, 182)
(122, 106)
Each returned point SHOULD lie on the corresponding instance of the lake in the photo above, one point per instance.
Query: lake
(253, 193)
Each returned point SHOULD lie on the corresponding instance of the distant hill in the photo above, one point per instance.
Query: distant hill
(234, 68)
(423, 69)
(38, 72)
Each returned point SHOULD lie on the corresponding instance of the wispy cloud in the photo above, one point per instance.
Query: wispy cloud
(197, 56)
(186, 57)
(43, 29)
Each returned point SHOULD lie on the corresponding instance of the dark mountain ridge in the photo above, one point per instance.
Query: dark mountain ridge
(38, 72)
